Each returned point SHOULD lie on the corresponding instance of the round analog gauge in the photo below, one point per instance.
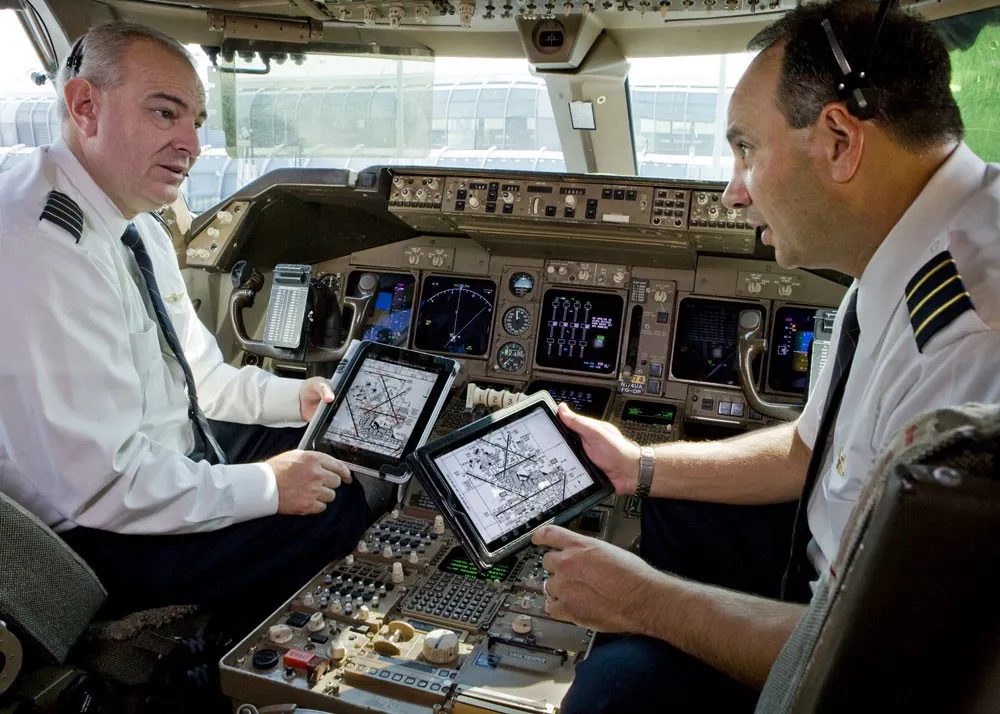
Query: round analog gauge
(510, 357)
(517, 321)
(521, 284)
(549, 36)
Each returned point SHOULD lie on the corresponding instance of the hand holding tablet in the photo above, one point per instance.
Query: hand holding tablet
(500, 478)
(388, 399)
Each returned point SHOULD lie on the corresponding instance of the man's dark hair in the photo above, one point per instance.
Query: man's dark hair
(910, 69)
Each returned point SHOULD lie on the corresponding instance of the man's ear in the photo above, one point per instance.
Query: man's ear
(843, 140)
(82, 104)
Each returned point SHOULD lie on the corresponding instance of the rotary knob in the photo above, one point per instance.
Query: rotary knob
(413, 258)
(521, 624)
(316, 622)
(660, 296)
(225, 217)
(754, 287)
(785, 290)
(583, 275)
(618, 276)
(397, 572)
(474, 202)
(440, 646)
(437, 260)
(279, 634)
(507, 197)
(439, 525)
(338, 651)
(562, 270)
(570, 201)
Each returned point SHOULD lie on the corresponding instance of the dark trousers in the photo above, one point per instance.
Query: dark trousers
(742, 548)
(247, 569)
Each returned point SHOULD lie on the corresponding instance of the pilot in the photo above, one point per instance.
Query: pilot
(888, 194)
(173, 474)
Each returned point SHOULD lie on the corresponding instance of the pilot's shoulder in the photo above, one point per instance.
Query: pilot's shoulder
(957, 291)
(32, 205)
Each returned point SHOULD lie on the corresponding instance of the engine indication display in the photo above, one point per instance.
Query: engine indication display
(580, 331)
(517, 321)
(521, 284)
(455, 315)
(510, 357)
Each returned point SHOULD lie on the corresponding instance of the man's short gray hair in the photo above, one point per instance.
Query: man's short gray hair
(101, 52)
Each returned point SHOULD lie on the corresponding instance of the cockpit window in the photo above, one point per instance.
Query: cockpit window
(974, 43)
(28, 115)
(679, 114)
(482, 113)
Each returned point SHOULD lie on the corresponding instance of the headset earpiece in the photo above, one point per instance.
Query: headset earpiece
(854, 88)
(75, 59)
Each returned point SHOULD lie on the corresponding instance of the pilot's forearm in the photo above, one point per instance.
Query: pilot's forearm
(765, 466)
(736, 633)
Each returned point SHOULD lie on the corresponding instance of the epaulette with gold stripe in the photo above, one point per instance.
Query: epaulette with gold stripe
(64, 212)
(935, 297)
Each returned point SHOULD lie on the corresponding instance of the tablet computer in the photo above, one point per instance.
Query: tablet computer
(388, 399)
(500, 478)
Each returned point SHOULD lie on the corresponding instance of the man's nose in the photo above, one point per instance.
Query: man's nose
(735, 195)
(187, 141)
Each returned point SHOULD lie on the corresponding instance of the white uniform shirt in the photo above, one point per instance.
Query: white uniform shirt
(94, 426)
(891, 380)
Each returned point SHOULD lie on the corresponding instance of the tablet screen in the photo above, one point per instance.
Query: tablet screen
(382, 407)
(519, 471)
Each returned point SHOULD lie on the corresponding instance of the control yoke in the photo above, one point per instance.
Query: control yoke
(304, 316)
(753, 344)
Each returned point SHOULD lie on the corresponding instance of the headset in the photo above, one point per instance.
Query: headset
(75, 59)
(855, 87)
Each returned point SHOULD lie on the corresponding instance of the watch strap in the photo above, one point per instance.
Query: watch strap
(647, 460)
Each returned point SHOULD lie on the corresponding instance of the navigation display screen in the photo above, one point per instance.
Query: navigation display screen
(455, 315)
(513, 474)
(389, 324)
(579, 331)
(383, 405)
(584, 398)
(788, 360)
(706, 341)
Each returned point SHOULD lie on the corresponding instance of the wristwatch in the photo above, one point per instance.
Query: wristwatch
(647, 460)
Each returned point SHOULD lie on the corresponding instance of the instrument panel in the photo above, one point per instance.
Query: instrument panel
(649, 349)
(631, 288)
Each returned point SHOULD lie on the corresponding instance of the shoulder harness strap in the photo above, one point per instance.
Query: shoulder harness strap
(64, 212)
(936, 296)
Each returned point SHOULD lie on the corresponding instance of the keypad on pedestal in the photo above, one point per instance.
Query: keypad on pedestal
(452, 597)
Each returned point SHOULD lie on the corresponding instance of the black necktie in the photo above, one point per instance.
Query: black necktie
(792, 586)
(202, 429)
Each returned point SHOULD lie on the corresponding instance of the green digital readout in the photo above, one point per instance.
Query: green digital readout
(457, 562)
(649, 413)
